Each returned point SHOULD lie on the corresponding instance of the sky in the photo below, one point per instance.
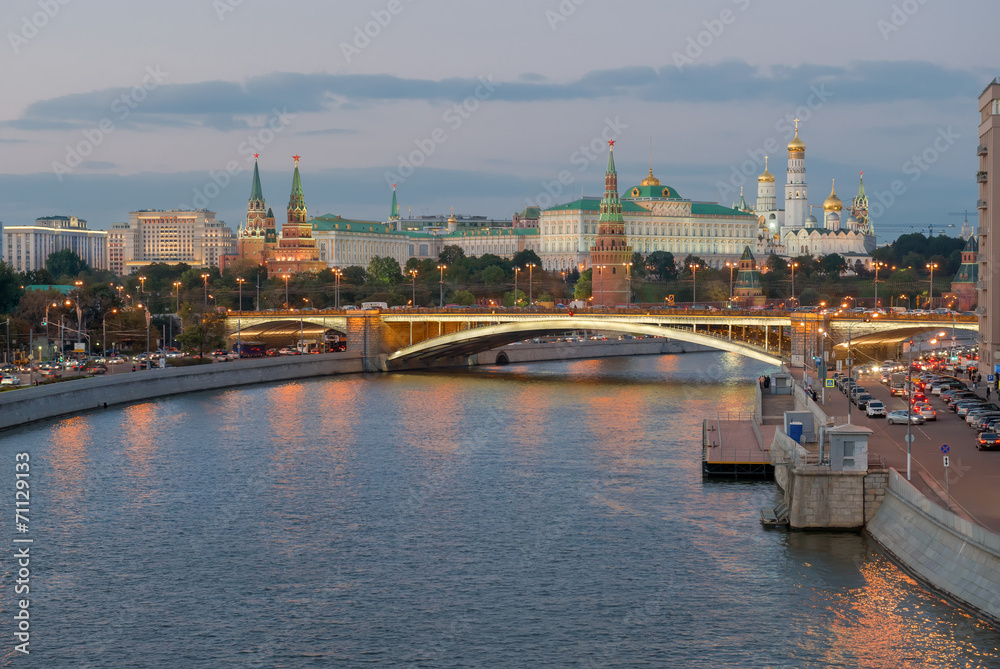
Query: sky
(488, 107)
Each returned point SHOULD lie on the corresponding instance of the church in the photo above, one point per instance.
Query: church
(795, 231)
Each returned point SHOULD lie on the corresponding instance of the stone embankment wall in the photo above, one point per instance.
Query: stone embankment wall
(26, 405)
(951, 554)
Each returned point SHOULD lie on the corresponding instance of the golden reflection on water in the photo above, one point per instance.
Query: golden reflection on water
(141, 431)
(431, 411)
(69, 456)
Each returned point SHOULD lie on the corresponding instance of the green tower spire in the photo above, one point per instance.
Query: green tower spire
(297, 199)
(394, 212)
(611, 206)
(256, 192)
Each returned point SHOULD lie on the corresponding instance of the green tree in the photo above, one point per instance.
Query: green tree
(10, 288)
(692, 260)
(509, 299)
(583, 290)
(523, 258)
(66, 263)
(777, 265)
(662, 264)
(465, 298)
(450, 255)
(383, 271)
(493, 275)
(202, 332)
(808, 297)
(354, 275)
(638, 266)
(833, 265)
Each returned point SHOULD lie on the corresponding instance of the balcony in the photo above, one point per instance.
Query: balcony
(981, 177)
(981, 150)
(980, 204)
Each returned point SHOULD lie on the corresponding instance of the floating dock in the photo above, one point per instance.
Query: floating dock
(736, 448)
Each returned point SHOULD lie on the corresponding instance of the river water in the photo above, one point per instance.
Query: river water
(548, 515)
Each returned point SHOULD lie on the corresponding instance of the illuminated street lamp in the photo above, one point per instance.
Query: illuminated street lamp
(531, 266)
(850, 360)
(142, 286)
(794, 265)
(694, 267)
(628, 282)
(930, 298)
(600, 282)
(413, 287)
(149, 317)
(177, 296)
(732, 266)
(285, 277)
(516, 271)
(337, 272)
(104, 339)
(205, 277)
(442, 268)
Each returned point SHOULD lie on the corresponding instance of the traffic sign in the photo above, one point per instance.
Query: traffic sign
(946, 461)
(831, 383)
(909, 438)
(945, 448)
(990, 378)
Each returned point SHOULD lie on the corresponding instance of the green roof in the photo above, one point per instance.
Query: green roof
(708, 209)
(748, 280)
(594, 204)
(492, 232)
(747, 254)
(39, 287)
(967, 273)
(531, 212)
(658, 192)
(972, 246)
(256, 193)
(297, 199)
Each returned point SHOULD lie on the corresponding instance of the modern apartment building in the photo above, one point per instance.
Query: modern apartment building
(989, 227)
(27, 247)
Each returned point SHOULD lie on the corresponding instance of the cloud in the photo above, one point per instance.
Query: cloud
(328, 131)
(226, 105)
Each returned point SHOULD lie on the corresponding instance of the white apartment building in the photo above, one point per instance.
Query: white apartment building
(171, 237)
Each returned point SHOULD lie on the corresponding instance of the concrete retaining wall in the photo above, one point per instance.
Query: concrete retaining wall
(949, 553)
(824, 499)
(27, 405)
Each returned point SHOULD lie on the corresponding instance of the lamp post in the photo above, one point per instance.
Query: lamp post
(909, 437)
(442, 268)
(850, 360)
(600, 275)
(930, 297)
(104, 330)
(628, 284)
(336, 273)
(731, 266)
(149, 318)
(822, 364)
(285, 277)
(694, 282)
(142, 286)
(239, 320)
(177, 297)
(413, 287)
(516, 271)
(531, 266)
(205, 277)
(794, 265)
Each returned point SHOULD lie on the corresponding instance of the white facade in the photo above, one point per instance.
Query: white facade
(28, 247)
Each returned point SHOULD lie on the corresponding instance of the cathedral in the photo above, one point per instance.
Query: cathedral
(795, 231)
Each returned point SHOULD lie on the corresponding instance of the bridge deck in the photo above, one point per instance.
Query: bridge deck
(737, 443)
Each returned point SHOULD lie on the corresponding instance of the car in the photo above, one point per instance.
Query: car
(926, 410)
(988, 441)
(862, 400)
(963, 408)
(982, 421)
(897, 389)
(95, 368)
(8, 380)
(899, 417)
(875, 408)
(918, 398)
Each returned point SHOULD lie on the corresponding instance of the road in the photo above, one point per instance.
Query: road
(973, 475)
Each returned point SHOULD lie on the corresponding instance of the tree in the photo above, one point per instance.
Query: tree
(202, 332)
(833, 265)
(451, 254)
(662, 264)
(509, 300)
(10, 288)
(523, 258)
(66, 263)
(777, 265)
(465, 298)
(583, 290)
(638, 266)
(808, 297)
(383, 271)
(493, 275)
(692, 260)
(354, 275)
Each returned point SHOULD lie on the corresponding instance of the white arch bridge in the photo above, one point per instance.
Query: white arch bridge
(417, 338)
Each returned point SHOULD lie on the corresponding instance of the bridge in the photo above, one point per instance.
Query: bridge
(421, 337)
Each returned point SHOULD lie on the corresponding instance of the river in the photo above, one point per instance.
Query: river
(545, 515)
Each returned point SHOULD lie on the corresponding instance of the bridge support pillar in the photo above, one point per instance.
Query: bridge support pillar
(730, 332)
(365, 335)
(767, 338)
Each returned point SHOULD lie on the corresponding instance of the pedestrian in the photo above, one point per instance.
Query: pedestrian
(133, 367)
(975, 384)
(987, 393)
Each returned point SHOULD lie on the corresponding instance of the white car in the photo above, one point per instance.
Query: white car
(875, 408)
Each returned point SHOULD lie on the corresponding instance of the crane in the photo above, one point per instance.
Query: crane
(964, 214)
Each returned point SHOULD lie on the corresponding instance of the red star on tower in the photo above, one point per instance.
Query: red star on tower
(296, 159)
(611, 142)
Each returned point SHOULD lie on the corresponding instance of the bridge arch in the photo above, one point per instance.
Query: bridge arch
(478, 340)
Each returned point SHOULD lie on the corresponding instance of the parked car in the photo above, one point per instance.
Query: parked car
(988, 441)
(982, 421)
(963, 408)
(875, 408)
(899, 417)
(862, 400)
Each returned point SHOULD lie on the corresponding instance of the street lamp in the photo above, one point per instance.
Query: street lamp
(336, 273)
(285, 277)
(516, 271)
(104, 329)
(531, 266)
(850, 360)
(930, 298)
(878, 264)
(413, 287)
(600, 279)
(149, 318)
(205, 277)
(442, 268)
(239, 319)
(794, 265)
(628, 283)
(142, 286)
(908, 386)
(731, 266)
(177, 296)
(694, 279)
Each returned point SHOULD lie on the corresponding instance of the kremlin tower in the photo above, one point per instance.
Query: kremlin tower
(296, 250)
(258, 232)
(610, 256)
(796, 192)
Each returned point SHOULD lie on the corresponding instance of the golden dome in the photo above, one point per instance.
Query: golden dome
(796, 144)
(833, 203)
(650, 180)
(766, 176)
